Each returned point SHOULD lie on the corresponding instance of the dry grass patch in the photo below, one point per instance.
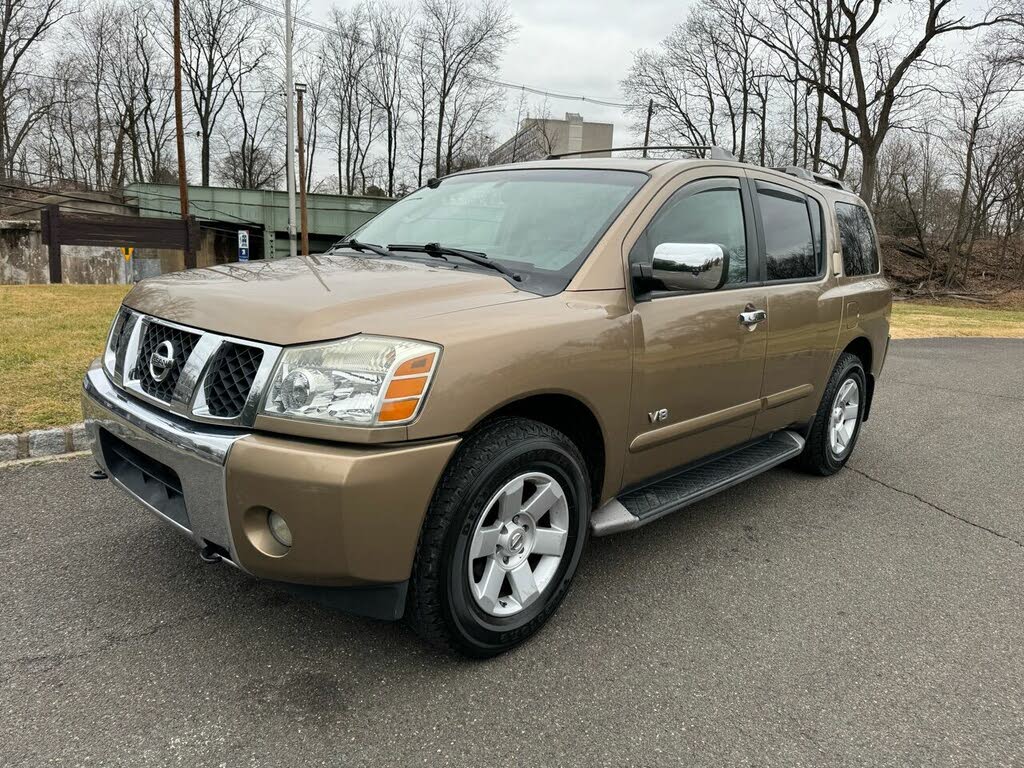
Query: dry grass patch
(48, 336)
(919, 321)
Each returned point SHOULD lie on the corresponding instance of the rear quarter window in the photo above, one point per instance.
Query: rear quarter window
(860, 251)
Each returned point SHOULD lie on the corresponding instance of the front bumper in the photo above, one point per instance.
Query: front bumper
(355, 512)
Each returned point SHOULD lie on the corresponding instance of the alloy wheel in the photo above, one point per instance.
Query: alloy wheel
(518, 544)
(843, 417)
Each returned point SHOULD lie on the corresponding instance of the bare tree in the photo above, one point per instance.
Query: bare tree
(884, 67)
(464, 47)
(250, 161)
(352, 112)
(315, 73)
(24, 25)
(222, 41)
(155, 112)
(984, 85)
(422, 84)
(389, 29)
(704, 79)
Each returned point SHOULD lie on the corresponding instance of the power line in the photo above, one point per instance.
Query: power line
(338, 33)
(161, 89)
(412, 60)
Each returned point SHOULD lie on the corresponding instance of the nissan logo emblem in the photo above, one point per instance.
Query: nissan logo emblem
(161, 361)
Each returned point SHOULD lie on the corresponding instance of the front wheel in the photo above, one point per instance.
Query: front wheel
(836, 425)
(502, 538)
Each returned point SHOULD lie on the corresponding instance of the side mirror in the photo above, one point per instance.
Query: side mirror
(690, 266)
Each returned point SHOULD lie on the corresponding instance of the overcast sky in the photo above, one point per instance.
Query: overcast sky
(582, 47)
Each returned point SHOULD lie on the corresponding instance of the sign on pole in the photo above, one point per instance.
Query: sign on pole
(127, 252)
(243, 245)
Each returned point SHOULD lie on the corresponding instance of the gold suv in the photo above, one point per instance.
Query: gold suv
(429, 419)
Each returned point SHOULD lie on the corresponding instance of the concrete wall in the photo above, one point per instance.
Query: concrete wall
(24, 258)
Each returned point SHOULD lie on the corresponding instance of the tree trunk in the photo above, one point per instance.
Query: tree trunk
(869, 171)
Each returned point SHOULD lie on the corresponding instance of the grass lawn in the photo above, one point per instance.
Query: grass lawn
(49, 335)
(918, 321)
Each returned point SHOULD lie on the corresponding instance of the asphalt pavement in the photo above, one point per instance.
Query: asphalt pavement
(872, 618)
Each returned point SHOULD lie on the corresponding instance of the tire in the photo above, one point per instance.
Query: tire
(452, 601)
(820, 455)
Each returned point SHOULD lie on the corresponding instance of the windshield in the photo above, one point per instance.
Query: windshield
(542, 223)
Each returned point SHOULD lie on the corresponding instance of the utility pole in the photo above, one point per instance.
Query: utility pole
(290, 124)
(190, 257)
(647, 128)
(300, 89)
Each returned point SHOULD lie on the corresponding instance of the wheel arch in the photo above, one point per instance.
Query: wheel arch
(571, 416)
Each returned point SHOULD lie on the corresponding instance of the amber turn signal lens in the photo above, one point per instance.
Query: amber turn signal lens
(406, 388)
(397, 410)
(421, 364)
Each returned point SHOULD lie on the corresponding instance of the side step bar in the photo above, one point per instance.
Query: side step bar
(699, 481)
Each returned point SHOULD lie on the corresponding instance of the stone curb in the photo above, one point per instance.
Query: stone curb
(38, 443)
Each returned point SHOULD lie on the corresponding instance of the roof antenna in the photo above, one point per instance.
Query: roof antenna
(433, 183)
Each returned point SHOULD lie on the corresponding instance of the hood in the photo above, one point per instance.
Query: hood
(293, 301)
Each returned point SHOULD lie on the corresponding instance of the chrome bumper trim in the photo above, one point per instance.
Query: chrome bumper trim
(197, 456)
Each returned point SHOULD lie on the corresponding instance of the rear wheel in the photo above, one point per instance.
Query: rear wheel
(836, 425)
(502, 538)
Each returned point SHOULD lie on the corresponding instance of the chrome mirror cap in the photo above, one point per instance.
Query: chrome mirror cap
(690, 266)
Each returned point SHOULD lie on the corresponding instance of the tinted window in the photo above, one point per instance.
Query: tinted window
(789, 242)
(860, 254)
(708, 211)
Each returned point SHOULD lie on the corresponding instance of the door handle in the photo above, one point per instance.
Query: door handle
(750, 316)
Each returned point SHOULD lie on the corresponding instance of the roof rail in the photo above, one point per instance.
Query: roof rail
(814, 177)
(708, 152)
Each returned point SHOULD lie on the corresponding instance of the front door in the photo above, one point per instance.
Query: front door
(698, 357)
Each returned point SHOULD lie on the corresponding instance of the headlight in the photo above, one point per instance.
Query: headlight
(361, 381)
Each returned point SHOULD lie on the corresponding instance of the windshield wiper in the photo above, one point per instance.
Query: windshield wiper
(358, 245)
(440, 251)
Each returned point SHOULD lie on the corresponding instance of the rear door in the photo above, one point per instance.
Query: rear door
(804, 312)
(697, 367)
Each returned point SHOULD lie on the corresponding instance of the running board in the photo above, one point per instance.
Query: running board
(642, 505)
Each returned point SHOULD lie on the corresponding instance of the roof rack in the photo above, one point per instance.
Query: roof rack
(709, 152)
(813, 176)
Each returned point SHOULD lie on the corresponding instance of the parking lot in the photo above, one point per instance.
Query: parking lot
(872, 618)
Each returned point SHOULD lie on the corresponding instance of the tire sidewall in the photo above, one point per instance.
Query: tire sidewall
(853, 369)
(490, 634)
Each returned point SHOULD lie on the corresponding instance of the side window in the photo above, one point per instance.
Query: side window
(790, 251)
(860, 252)
(706, 211)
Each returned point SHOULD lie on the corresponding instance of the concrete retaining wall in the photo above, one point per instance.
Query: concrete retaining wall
(24, 259)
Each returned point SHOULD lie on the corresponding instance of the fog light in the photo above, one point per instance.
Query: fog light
(279, 529)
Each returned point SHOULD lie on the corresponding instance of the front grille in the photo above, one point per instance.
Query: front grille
(231, 375)
(183, 343)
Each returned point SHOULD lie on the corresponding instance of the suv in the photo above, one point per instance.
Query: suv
(428, 420)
